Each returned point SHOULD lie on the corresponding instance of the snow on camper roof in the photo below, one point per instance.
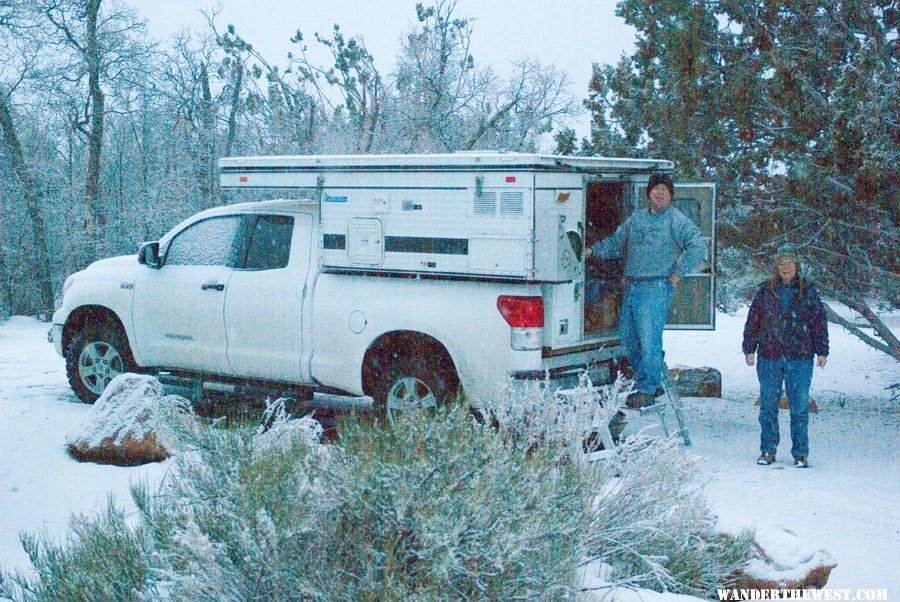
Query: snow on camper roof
(461, 161)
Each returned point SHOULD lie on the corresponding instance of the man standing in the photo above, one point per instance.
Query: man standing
(660, 245)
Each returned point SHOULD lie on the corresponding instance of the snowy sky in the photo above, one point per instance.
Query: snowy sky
(570, 34)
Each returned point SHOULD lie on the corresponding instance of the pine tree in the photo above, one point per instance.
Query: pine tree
(793, 108)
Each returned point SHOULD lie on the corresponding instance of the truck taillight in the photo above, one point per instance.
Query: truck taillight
(522, 312)
(526, 317)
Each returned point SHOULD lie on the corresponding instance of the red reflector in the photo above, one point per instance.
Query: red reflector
(243, 178)
(522, 312)
(510, 179)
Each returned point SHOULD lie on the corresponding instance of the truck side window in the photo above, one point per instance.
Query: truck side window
(270, 242)
(210, 242)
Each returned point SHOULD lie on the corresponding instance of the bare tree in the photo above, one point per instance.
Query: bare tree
(190, 90)
(18, 61)
(94, 47)
(449, 103)
(289, 110)
(26, 183)
(436, 77)
(357, 79)
(76, 21)
(533, 99)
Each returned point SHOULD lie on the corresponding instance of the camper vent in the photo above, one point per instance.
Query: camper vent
(511, 203)
(485, 203)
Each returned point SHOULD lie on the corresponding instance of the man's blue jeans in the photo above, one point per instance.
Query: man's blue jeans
(645, 306)
(797, 376)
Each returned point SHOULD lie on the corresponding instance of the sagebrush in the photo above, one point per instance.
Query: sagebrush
(432, 507)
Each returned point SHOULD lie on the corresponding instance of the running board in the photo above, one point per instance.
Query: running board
(192, 387)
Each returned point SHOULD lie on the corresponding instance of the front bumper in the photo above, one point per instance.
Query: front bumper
(54, 335)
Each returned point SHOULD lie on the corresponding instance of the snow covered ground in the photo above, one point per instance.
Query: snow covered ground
(846, 503)
(40, 485)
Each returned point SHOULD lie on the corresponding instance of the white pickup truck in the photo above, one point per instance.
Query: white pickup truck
(409, 279)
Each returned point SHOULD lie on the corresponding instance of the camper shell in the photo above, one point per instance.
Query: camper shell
(489, 215)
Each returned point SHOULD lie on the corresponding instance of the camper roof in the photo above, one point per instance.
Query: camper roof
(462, 161)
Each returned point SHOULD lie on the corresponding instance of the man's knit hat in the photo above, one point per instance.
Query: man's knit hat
(660, 178)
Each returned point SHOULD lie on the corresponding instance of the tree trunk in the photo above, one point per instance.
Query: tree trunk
(235, 104)
(94, 216)
(206, 170)
(43, 275)
(4, 281)
(487, 125)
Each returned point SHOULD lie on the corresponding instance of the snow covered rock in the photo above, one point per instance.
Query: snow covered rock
(132, 423)
(783, 560)
(697, 382)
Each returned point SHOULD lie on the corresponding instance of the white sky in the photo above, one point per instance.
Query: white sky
(570, 34)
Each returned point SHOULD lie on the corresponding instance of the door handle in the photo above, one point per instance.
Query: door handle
(216, 286)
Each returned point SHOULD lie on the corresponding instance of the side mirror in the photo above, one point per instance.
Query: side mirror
(149, 255)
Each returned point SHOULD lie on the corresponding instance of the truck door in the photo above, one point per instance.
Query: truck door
(694, 304)
(264, 303)
(178, 309)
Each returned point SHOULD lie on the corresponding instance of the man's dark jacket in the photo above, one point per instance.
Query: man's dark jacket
(795, 333)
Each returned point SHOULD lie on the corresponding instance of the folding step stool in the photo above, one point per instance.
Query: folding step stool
(671, 400)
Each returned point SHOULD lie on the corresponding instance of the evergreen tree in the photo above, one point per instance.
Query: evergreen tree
(793, 108)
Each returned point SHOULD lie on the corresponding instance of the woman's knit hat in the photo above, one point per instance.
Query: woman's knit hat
(787, 253)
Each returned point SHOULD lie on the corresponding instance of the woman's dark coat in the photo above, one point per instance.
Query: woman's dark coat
(796, 333)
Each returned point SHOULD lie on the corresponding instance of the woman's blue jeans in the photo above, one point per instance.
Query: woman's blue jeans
(645, 306)
(796, 376)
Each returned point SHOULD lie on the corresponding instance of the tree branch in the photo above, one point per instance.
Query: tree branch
(854, 330)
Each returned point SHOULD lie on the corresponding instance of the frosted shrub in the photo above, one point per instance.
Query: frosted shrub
(654, 527)
(241, 517)
(279, 430)
(650, 522)
(101, 559)
(447, 509)
(431, 507)
(534, 412)
(423, 510)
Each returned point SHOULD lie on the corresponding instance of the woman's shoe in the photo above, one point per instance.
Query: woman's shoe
(801, 462)
(766, 459)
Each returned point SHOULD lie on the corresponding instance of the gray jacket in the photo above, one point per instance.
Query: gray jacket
(655, 245)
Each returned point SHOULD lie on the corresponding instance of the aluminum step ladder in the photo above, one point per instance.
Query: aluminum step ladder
(669, 400)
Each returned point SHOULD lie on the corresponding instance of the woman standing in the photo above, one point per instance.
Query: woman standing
(786, 327)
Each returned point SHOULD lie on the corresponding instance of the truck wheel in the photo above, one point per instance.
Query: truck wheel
(413, 384)
(96, 355)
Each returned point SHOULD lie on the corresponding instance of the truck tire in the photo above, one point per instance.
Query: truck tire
(412, 384)
(96, 354)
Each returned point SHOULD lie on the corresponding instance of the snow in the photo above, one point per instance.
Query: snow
(40, 485)
(844, 504)
(789, 558)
